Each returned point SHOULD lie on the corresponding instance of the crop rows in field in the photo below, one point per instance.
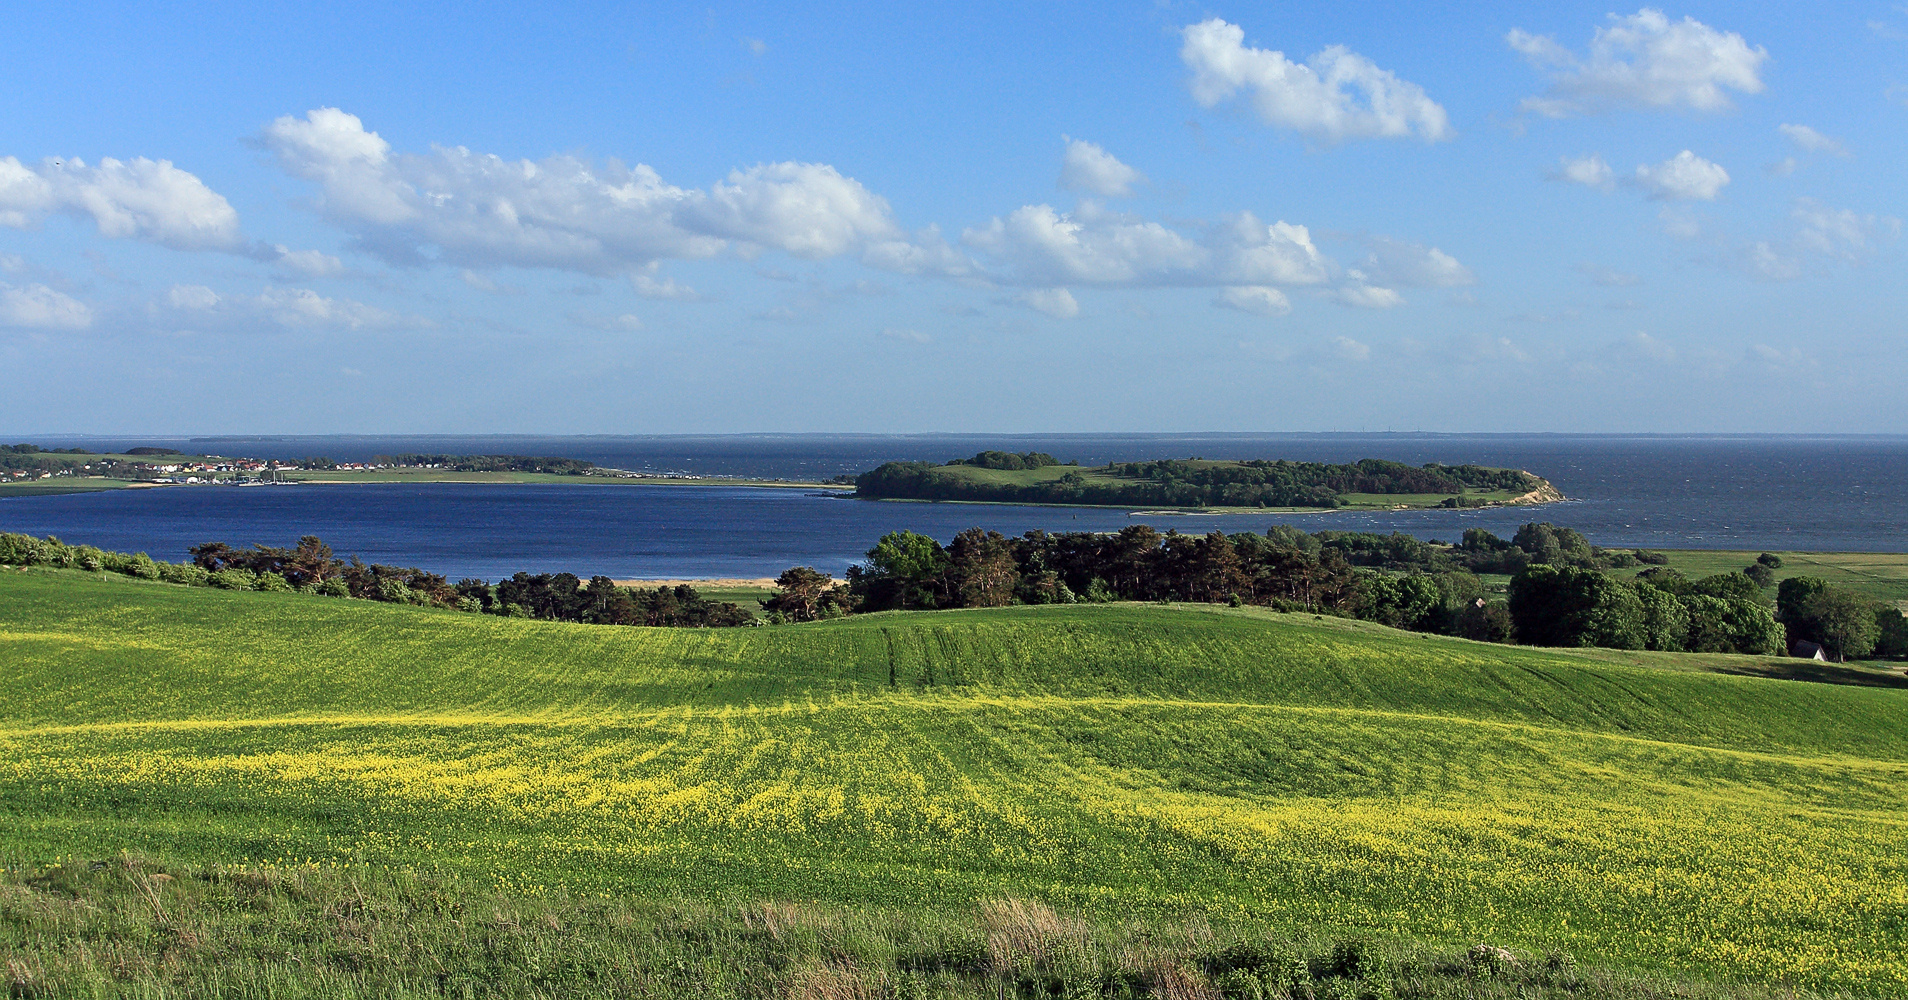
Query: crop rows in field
(1261, 768)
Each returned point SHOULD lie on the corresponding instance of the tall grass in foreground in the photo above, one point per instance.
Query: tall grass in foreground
(129, 926)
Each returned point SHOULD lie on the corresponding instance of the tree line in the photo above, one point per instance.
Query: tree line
(1562, 592)
(1187, 483)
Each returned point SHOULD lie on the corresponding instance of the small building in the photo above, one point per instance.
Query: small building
(1811, 651)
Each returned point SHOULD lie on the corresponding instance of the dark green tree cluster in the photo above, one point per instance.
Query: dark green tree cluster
(34, 449)
(493, 463)
(1569, 605)
(310, 567)
(1847, 625)
(1008, 461)
(565, 597)
(1190, 483)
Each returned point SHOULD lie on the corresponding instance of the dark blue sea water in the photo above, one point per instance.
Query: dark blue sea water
(1784, 493)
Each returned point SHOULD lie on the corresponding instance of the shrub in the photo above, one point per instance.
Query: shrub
(332, 588)
(1652, 558)
(233, 579)
(142, 566)
(185, 574)
(271, 582)
(394, 591)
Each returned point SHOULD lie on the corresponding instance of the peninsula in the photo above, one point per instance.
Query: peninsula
(1200, 484)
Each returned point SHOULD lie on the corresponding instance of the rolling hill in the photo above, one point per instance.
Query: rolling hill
(1643, 811)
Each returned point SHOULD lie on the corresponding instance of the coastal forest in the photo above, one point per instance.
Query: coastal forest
(1036, 477)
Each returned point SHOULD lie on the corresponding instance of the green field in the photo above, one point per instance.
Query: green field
(1272, 773)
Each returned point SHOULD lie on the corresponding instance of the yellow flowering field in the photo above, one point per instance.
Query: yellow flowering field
(1255, 768)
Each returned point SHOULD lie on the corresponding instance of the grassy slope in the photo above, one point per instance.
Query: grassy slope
(1352, 501)
(1266, 768)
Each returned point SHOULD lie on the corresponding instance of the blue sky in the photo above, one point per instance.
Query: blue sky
(1002, 217)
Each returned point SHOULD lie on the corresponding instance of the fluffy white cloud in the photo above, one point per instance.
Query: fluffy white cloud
(1643, 60)
(927, 252)
(1366, 296)
(1334, 96)
(191, 297)
(302, 307)
(1039, 245)
(1683, 177)
(1087, 167)
(292, 308)
(649, 288)
(38, 307)
(143, 199)
(480, 210)
(1350, 350)
(1055, 302)
(1395, 262)
(1840, 233)
(310, 263)
(1590, 171)
(1607, 277)
(1809, 139)
(624, 323)
(1048, 247)
(1258, 300)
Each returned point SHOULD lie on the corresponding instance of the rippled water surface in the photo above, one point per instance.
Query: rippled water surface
(1762, 493)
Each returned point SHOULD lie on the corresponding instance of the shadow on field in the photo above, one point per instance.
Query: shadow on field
(1817, 672)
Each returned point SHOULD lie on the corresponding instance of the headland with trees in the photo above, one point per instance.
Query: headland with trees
(1261, 484)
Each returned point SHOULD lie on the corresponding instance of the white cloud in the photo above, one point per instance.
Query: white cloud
(1643, 345)
(41, 308)
(1055, 302)
(10, 262)
(191, 297)
(1590, 171)
(1038, 245)
(1395, 262)
(1367, 297)
(292, 308)
(1678, 221)
(1683, 177)
(1350, 350)
(650, 288)
(1643, 60)
(755, 46)
(1809, 139)
(302, 307)
(624, 323)
(927, 252)
(144, 199)
(1783, 167)
(310, 263)
(1258, 300)
(1092, 247)
(1334, 96)
(1087, 167)
(480, 210)
(905, 335)
(1608, 278)
(1840, 233)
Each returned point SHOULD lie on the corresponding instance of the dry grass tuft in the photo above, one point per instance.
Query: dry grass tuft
(1029, 933)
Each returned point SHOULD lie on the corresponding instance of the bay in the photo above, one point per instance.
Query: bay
(1774, 493)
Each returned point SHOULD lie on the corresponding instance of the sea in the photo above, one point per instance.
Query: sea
(1775, 493)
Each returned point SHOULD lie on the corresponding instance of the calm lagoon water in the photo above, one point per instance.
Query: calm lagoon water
(1737, 493)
